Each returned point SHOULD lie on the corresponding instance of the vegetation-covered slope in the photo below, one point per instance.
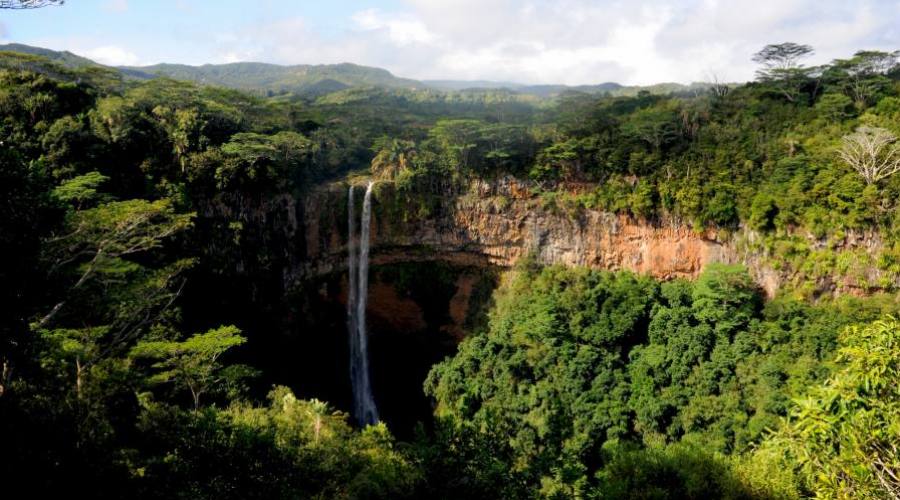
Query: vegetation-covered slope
(64, 58)
(578, 367)
(272, 78)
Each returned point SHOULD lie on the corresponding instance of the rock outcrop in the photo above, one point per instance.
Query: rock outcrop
(498, 223)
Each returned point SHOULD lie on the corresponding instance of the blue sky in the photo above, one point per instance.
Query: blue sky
(529, 41)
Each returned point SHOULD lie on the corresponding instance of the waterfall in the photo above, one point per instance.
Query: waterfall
(358, 287)
(352, 293)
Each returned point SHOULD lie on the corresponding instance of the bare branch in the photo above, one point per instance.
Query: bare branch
(872, 152)
(28, 4)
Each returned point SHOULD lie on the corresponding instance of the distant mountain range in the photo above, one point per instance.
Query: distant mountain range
(321, 79)
(299, 79)
(538, 90)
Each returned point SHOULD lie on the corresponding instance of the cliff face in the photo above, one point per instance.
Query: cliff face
(496, 223)
(500, 222)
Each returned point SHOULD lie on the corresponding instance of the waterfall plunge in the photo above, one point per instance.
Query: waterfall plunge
(363, 402)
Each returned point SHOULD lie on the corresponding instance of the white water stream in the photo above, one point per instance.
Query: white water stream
(364, 409)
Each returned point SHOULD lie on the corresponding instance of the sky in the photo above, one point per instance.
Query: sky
(527, 41)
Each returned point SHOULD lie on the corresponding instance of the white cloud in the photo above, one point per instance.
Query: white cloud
(529, 41)
(574, 41)
(233, 57)
(112, 55)
(722, 36)
(403, 31)
(117, 5)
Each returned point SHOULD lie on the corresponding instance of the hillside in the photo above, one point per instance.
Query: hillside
(304, 79)
(554, 90)
(64, 58)
(321, 79)
(273, 78)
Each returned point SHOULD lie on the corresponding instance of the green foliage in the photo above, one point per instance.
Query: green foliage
(576, 362)
(288, 448)
(72, 351)
(763, 212)
(843, 434)
(98, 243)
(834, 106)
(781, 67)
(656, 126)
(81, 189)
(863, 76)
(26, 218)
(550, 372)
(194, 362)
(254, 161)
(684, 471)
(564, 160)
(684, 379)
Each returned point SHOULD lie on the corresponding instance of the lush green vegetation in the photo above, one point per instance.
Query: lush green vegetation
(128, 213)
(771, 156)
(583, 375)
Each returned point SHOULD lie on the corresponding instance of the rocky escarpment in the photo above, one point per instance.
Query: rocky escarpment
(497, 223)
(500, 222)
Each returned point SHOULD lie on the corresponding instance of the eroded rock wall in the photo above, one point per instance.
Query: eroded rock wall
(497, 223)
(500, 222)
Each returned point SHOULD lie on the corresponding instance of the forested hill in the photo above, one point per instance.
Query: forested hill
(257, 77)
(64, 58)
(273, 78)
(551, 90)
(320, 79)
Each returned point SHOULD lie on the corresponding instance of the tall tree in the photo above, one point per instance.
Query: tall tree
(458, 140)
(393, 157)
(655, 126)
(194, 363)
(781, 67)
(99, 238)
(863, 75)
(549, 373)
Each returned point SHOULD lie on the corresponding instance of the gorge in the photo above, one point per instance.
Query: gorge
(433, 272)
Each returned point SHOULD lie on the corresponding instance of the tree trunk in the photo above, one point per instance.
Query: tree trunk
(78, 372)
(5, 376)
(84, 276)
(317, 428)
(46, 319)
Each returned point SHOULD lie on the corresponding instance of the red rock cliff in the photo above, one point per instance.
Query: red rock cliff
(500, 222)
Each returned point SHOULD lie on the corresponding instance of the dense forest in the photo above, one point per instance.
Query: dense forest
(125, 374)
